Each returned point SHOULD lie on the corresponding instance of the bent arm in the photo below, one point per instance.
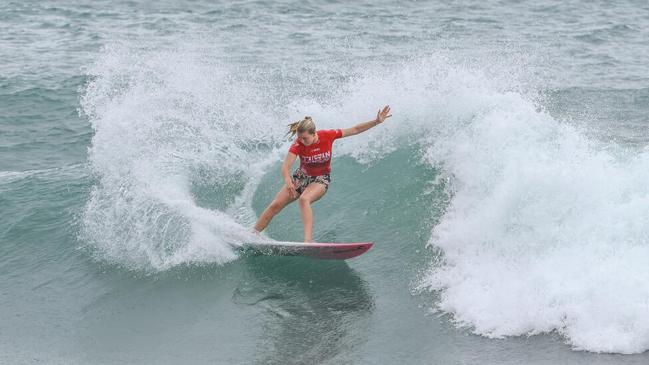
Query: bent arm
(286, 166)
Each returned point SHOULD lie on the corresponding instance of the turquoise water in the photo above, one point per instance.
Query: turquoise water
(506, 196)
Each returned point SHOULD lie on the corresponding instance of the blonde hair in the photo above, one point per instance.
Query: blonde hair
(304, 125)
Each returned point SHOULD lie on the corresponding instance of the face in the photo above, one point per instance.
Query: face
(306, 138)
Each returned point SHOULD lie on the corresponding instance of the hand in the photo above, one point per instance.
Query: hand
(290, 185)
(383, 114)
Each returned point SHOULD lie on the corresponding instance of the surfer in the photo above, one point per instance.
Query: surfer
(311, 180)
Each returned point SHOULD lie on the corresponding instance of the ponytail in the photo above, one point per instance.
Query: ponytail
(292, 129)
(304, 125)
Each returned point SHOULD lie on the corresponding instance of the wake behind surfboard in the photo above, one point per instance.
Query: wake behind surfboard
(326, 251)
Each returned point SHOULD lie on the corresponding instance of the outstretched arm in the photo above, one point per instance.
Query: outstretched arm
(362, 127)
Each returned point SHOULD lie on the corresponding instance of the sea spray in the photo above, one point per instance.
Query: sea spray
(165, 120)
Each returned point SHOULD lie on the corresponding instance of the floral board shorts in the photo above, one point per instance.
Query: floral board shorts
(303, 180)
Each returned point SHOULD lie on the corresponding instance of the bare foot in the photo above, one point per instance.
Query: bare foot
(257, 234)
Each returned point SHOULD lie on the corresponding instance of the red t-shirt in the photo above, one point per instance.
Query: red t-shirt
(315, 159)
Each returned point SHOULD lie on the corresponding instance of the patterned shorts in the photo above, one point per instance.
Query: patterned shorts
(303, 180)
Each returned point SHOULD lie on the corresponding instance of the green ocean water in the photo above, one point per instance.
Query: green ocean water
(506, 196)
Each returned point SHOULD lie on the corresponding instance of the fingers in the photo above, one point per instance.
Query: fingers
(291, 189)
(383, 114)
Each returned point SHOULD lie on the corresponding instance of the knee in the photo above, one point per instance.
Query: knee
(304, 200)
(275, 206)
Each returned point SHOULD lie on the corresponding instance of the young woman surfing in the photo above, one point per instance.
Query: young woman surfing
(311, 180)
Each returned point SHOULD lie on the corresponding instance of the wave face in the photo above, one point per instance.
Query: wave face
(543, 227)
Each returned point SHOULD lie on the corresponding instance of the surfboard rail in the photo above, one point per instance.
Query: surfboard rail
(317, 250)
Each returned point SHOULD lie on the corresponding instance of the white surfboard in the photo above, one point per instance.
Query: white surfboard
(318, 250)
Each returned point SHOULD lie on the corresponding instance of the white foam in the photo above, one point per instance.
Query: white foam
(163, 120)
(546, 230)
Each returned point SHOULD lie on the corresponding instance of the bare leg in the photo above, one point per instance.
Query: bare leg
(311, 194)
(282, 198)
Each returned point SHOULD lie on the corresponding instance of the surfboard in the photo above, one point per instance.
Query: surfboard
(317, 250)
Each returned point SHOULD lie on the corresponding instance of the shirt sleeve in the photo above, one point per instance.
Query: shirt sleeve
(294, 149)
(333, 134)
